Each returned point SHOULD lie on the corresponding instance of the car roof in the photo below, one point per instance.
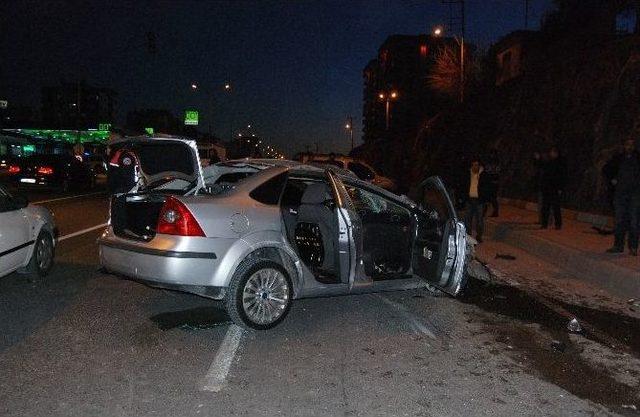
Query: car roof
(273, 167)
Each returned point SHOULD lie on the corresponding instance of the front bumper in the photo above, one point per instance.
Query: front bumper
(186, 264)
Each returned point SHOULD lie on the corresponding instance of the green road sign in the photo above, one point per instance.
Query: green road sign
(149, 130)
(191, 117)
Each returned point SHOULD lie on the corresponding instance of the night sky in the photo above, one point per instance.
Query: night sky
(295, 66)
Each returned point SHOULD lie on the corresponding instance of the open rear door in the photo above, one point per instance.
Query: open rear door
(440, 245)
(349, 231)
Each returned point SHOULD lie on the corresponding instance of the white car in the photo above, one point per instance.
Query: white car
(360, 168)
(27, 237)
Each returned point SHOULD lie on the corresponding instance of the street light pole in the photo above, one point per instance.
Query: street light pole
(349, 127)
(387, 97)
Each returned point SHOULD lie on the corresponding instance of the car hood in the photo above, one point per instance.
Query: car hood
(155, 163)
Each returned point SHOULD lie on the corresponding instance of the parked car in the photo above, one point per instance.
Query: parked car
(273, 233)
(360, 168)
(27, 238)
(54, 171)
(9, 167)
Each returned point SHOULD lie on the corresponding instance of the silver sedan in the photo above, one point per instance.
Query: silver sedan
(257, 234)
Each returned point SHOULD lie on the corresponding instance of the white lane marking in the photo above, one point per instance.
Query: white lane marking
(67, 198)
(81, 232)
(219, 369)
(416, 324)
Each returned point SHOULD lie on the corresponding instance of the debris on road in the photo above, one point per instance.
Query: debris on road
(558, 346)
(505, 256)
(574, 326)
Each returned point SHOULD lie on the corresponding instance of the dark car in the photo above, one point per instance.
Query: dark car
(55, 171)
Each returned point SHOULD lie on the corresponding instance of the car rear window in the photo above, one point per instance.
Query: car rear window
(269, 192)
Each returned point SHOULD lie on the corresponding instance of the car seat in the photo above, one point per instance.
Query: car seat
(316, 229)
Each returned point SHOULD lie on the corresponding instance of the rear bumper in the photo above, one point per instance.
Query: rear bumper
(167, 261)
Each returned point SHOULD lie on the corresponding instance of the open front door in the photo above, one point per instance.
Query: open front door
(349, 231)
(440, 246)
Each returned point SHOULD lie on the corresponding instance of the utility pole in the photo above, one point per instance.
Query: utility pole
(458, 21)
(526, 14)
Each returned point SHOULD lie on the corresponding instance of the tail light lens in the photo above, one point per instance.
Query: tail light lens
(45, 170)
(14, 169)
(176, 219)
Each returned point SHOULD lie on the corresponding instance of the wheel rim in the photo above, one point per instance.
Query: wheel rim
(44, 252)
(265, 296)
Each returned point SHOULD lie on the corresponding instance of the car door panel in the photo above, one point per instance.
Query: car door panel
(350, 233)
(440, 243)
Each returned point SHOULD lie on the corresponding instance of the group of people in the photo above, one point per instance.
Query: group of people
(621, 173)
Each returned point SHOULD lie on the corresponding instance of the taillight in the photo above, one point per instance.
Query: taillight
(14, 169)
(45, 170)
(176, 219)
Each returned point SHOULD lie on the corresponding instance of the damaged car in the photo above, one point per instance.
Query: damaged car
(259, 234)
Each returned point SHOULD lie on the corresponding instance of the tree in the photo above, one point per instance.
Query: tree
(445, 75)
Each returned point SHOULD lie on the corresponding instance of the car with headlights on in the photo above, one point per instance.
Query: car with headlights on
(27, 236)
(258, 234)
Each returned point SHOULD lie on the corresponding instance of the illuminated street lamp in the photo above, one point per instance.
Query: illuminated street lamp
(349, 127)
(437, 31)
(388, 97)
(228, 89)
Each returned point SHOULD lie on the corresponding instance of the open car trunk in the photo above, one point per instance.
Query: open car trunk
(142, 173)
(136, 216)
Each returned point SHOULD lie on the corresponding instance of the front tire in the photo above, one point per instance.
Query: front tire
(41, 260)
(259, 295)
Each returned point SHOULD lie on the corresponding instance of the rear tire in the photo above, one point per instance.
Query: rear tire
(259, 294)
(41, 260)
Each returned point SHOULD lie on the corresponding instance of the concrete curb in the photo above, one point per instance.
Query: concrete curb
(618, 281)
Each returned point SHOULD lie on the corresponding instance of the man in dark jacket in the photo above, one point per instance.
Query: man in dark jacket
(554, 177)
(475, 191)
(623, 173)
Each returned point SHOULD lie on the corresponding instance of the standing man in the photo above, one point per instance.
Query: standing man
(476, 189)
(554, 177)
(492, 171)
(623, 173)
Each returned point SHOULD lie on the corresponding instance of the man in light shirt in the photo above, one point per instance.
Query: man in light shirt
(476, 191)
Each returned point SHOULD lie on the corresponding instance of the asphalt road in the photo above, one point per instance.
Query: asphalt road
(80, 342)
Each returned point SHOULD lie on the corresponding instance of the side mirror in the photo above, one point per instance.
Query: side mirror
(20, 201)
